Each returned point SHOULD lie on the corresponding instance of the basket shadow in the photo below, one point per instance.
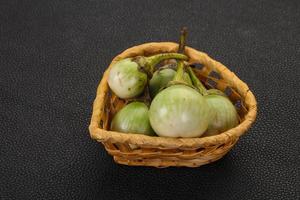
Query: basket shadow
(193, 183)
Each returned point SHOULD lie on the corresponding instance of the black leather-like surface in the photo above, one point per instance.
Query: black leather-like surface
(53, 54)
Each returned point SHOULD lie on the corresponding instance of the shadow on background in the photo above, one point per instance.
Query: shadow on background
(216, 179)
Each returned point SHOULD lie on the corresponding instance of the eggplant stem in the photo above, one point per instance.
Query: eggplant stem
(175, 82)
(179, 73)
(146, 96)
(196, 82)
(182, 40)
(216, 92)
(154, 60)
(179, 76)
(168, 66)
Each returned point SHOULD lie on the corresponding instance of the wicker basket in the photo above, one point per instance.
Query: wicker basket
(142, 150)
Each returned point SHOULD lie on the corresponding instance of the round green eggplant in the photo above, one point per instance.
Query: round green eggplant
(133, 118)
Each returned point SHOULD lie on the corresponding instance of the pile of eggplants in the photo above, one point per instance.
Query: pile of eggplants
(169, 101)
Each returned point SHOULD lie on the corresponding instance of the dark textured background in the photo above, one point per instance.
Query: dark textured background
(53, 54)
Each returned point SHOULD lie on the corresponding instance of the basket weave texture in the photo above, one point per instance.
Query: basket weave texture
(142, 150)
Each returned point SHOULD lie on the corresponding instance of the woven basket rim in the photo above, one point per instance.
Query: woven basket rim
(163, 142)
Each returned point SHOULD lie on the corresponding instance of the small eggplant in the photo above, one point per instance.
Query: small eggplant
(161, 79)
(224, 115)
(128, 77)
(133, 118)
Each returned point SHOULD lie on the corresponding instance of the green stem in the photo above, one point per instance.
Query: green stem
(196, 82)
(154, 60)
(168, 66)
(180, 70)
(216, 92)
(179, 74)
(147, 98)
